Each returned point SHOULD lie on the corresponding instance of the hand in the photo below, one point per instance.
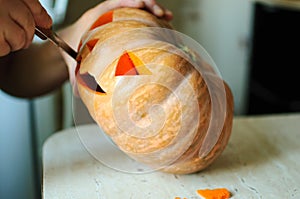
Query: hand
(151, 5)
(73, 33)
(86, 20)
(18, 19)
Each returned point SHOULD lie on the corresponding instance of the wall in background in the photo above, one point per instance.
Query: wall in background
(16, 174)
(223, 29)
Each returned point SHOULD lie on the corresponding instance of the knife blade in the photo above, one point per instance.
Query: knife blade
(48, 33)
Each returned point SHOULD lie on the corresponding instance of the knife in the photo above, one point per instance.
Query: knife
(48, 33)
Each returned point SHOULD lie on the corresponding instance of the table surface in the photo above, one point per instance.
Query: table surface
(262, 160)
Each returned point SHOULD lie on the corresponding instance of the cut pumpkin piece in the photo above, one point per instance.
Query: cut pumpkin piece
(220, 193)
(130, 64)
(92, 43)
(103, 19)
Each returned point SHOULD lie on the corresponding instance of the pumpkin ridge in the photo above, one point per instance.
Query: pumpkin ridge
(170, 137)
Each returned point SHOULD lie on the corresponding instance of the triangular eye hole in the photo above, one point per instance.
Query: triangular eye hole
(103, 19)
(130, 64)
(88, 81)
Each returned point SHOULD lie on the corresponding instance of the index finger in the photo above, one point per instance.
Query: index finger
(41, 17)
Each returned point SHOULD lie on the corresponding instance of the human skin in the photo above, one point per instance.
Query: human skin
(32, 70)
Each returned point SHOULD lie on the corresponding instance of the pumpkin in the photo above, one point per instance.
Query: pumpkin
(159, 101)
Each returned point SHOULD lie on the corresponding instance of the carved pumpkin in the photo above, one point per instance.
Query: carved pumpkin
(141, 86)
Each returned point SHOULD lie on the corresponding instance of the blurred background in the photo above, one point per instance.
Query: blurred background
(255, 45)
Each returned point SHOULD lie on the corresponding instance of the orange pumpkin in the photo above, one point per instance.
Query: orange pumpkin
(158, 100)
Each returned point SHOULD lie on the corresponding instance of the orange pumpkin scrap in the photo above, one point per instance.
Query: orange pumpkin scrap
(220, 193)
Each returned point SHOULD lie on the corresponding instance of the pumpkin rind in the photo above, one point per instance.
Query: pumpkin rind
(174, 84)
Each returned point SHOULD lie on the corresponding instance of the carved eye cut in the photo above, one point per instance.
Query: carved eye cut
(91, 44)
(103, 19)
(130, 64)
(88, 81)
(125, 66)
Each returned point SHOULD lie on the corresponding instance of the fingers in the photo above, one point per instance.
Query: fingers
(154, 7)
(15, 36)
(4, 47)
(151, 5)
(17, 26)
(39, 13)
(23, 27)
(158, 10)
(168, 15)
(18, 20)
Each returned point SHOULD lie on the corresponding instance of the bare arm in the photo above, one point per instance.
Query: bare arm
(33, 72)
(43, 67)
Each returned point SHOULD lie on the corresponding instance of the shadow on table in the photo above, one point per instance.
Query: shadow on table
(247, 146)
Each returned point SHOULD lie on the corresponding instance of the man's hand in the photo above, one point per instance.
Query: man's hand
(73, 33)
(18, 19)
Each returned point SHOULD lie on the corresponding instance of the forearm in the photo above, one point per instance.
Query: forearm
(33, 72)
(42, 68)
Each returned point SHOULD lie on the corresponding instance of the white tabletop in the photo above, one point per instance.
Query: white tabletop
(262, 160)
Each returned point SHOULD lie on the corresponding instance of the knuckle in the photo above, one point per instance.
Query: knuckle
(29, 20)
(29, 27)
(19, 40)
(4, 48)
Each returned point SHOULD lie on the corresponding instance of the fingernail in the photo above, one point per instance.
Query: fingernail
(168, 14)
(157, 10)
